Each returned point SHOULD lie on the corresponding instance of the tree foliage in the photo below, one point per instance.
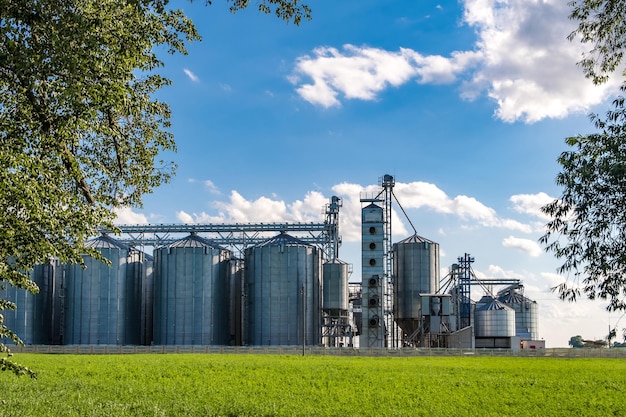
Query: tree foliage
(287, 10)
(588, 226)
(80, 131)
(602, 24)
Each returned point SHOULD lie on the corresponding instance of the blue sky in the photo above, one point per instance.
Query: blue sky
(466, 103)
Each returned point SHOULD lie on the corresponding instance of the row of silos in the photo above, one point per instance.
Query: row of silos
(194, 292)
(37, 317)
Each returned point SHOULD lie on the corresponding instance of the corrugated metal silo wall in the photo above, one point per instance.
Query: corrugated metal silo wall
(236, 314)
(494, 323)
(526, 315)
(335, 287)
(416, 271)
(146, 273)
(102, 303)
(191, 296)
(32, 321)
(274, 278)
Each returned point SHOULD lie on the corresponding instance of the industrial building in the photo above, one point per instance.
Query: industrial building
(271, 284)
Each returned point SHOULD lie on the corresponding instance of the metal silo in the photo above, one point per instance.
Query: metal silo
(416, 271)
(102, 302)
(283, 292)
(335, 294)
(191, 293)
(526, 315)
(493, 319)
(336, 329)
(34, 319)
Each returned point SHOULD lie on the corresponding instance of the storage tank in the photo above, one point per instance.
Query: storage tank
(191, 293)
(493, 319)
(34, 320)
(277, 272)
(102, 302)
(526, 315)
(335, 285)
(416, 271)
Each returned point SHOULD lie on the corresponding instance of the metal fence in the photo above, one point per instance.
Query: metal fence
(295, 350)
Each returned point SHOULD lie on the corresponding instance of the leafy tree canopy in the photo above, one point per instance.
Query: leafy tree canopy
(602, 24)
(587, 231)
(588, 227)
(80, 131)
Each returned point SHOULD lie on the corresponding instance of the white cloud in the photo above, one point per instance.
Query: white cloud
(211, 187)
(531, 204)
(363, 72)
(185, 218)
(531, 247)
(193, 77)
(521, 59)
(495, 271)
(415, 195)
(263, 210)
(422, 194)
(126, 215)
(551, 279)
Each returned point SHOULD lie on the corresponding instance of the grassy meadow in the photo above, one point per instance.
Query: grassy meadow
(290, 385)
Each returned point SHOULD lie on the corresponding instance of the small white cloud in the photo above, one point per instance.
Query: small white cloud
(184, 217)
(211, 187)
(531, 247)
(126, 215)
(551, 279)
(193, 77)
(226, 87)
(531, 204)
(496, 271)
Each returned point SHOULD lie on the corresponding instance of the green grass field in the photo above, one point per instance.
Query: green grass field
(282, 385)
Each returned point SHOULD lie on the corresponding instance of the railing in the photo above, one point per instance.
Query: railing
(297, 350)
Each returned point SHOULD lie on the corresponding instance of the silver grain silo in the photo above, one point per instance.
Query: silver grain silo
(416, 271)
(336, 329)
(526, 315)
(280, 273)
(102, 302)
(34, 319)
(191, 293)
(335, 285)
(493, 319)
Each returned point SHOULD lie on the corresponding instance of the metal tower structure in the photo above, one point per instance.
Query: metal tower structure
(372, 333)
(387, 183)
(464, 278)
(333, 240)
(378, 326)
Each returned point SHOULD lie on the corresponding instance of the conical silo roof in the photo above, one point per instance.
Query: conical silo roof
(194, 241)
(492, 304)
(105, 242)
(416, 239)
(283, 239)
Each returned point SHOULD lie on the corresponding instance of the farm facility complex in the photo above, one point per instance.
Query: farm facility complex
(273, 284)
